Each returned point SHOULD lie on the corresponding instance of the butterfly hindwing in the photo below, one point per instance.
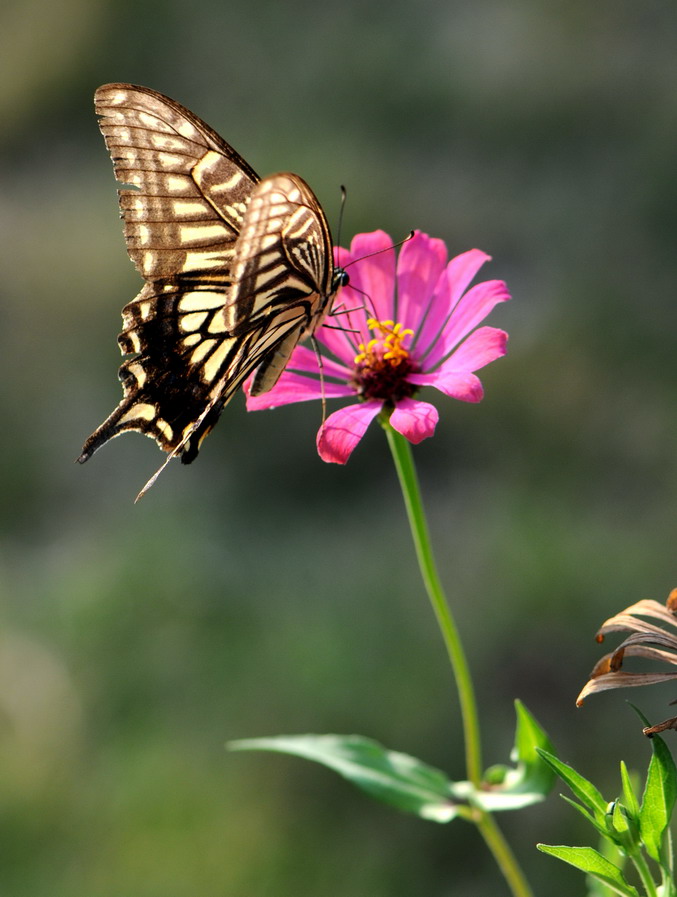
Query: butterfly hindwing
(176, 375)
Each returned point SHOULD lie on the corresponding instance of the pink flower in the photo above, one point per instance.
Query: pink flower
(399, 325)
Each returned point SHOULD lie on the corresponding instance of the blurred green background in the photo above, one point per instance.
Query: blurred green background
(261, 591)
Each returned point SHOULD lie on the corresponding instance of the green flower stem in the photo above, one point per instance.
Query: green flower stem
(667, 869)
(406, 471)
(645, 875)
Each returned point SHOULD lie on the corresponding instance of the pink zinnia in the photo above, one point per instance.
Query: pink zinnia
(403, 325)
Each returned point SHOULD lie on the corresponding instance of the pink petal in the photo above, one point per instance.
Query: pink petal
(304, 359)
(450, 286)
(470, 311)
(461, 385)
(293, 387)
(414, 419)
(419, 266)
(481, 348)
(339, 434)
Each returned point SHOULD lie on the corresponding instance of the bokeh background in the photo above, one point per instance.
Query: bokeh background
(261, 591)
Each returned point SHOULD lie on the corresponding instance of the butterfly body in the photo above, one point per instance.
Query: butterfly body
(237, 270)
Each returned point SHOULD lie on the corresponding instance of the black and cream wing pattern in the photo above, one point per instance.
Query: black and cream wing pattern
(237, 270)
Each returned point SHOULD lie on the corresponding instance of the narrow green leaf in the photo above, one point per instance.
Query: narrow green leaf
(619, 819)
(513, 787)
(589, 860)
(639, 713)
(629, 796)
(600, 826)
(529, 737)
(584, 790)
(394, 778)
(659, 796)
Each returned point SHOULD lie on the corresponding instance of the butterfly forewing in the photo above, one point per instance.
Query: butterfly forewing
(237, 270)
(191, 190)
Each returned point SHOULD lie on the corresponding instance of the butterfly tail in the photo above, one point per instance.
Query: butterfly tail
(131, 414)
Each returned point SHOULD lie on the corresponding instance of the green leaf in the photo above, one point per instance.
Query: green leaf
(394, 778)
(600, 826)
(618, 818)
(659, 798)
(629, 796)
(613, 854)
(584, 790)
(639, 713)
(589, 860)
(513, 787)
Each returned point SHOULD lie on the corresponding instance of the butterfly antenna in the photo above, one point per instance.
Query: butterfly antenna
(368, 303)
(385, 249)
(344, 196)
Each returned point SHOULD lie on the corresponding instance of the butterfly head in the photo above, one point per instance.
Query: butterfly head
(340, 279)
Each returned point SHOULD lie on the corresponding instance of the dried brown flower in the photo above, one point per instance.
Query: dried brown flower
(646, 640)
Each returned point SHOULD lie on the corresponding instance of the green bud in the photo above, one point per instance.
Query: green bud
(622, 827)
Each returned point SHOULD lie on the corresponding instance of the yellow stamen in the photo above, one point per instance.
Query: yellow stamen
(388, 347)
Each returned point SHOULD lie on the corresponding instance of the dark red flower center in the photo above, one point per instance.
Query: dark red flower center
(383, 364)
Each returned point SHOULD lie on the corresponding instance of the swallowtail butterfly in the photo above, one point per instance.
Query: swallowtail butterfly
(237, 270)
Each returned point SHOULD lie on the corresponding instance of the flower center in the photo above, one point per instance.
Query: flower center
(383, 364)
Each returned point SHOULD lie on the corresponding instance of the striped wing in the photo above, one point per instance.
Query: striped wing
(283, 275)
(182, 216)
(191, 188)
(237, 270)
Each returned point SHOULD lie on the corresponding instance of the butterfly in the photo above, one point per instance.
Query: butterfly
(238, 270)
